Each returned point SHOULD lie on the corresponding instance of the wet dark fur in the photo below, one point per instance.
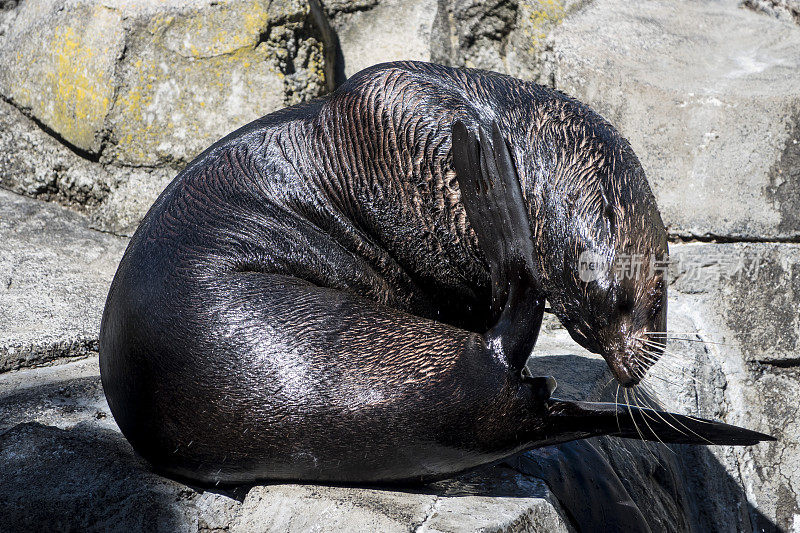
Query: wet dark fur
(306, 299)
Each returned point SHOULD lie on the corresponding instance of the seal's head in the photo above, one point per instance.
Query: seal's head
(602, 246)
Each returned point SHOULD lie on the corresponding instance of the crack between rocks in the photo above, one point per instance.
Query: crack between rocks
(80, 152)
(428, 515)
(726, 239)
(109, 232)
(791, 362)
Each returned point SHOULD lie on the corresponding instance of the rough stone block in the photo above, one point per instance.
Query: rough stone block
(58, 61)
(733, 303)
(154, 83)
(54, 277)
(508, 37)
(708, 95)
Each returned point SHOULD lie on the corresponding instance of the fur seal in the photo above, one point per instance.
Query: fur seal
(347, 290)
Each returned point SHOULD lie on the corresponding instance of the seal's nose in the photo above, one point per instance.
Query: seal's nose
(621, 357)
(628, 381)
(624, 374)
(623, 364)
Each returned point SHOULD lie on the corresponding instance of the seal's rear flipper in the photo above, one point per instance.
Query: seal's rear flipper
(620, 420)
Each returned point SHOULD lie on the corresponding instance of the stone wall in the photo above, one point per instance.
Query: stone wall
(102, 102)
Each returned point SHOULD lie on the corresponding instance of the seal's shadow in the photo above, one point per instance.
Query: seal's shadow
(89, 478)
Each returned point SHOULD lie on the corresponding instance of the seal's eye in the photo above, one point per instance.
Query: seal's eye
(625, 305)
(611, 215)
(625, 297)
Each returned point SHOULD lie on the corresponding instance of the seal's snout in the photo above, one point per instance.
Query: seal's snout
(624, 367)
(628, 358)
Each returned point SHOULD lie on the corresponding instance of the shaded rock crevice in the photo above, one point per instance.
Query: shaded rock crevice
(787, 10)
(27, 112)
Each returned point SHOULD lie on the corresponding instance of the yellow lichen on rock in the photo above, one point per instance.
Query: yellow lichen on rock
(191, 71)
(71, 85)
(212, 32)
(156, 117)
(542, 15)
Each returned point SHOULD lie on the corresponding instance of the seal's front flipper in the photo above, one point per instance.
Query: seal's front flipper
(576, 420)
(495, 206)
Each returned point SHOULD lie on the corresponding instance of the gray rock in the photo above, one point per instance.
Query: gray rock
(8, 13)
(496, 499)
(739, 299)
(58, 60)
(87, 479)
(508, 37)
(54, 277)
(374, 32)
(708, 94)
(35, 164)
(191, 77)
(134, 191)
(62, 395)
(190, 72)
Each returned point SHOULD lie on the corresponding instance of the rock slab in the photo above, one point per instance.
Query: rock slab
(708, 94)
(64, 466)
(54, 277)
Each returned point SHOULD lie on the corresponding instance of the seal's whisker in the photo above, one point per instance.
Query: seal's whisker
(616, 408)
(654, 358)
(666, 357)
(643, 409)
(630, 412)
(669, 333)
(701, 340)
(670, 353)
(664, 351)
(676, 371)
(672, 336)
(660, 378)
(648, 389)
(678, 374)
(639, 431)
(658, 414)
(684, 426)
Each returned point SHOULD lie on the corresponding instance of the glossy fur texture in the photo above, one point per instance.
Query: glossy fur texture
(319, 296)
